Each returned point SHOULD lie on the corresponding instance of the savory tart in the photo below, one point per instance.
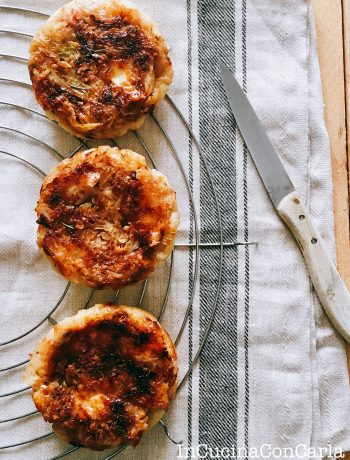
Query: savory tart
(98, 67)
(104, 376)
(105, 218)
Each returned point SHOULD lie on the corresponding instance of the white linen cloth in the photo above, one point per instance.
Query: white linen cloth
(273, 371)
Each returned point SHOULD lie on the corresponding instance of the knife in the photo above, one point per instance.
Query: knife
(326, 280)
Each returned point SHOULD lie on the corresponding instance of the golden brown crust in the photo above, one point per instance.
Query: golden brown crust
(106, 219)
(98, 67)
(104, 376)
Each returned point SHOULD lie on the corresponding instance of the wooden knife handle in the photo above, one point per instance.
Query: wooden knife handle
(330, 288)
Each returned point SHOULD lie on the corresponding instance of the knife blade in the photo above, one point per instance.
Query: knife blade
(326, 280)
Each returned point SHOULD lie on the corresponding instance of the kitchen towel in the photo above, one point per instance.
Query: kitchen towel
(271, 381)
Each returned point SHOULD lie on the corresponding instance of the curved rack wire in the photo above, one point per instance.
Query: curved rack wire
(195, 245)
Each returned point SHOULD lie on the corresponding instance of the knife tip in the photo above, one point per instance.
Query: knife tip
(223, 67)
(226, 73)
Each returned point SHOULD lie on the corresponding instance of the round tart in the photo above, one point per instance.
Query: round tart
(98, 66)
(105, 218)
(104, 376)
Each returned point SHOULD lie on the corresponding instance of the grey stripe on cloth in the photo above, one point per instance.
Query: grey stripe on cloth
(246, 235)
(190, 258)
(218, 364)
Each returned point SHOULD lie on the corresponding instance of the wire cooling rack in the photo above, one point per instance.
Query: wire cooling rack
(193, 246)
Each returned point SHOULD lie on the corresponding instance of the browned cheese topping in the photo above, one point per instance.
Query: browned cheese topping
(105, 219)
(99, 75)
(104, 379)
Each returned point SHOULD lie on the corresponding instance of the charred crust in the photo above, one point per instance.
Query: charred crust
(55, 198)
(107, 96)
(118, 39)
(42, 220)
